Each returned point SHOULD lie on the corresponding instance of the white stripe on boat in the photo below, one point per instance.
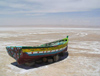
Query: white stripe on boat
(29, 52)
(40, 51)
(35, 52)
(53, 50)
(56, 49)
(44, 51)
(48, 51)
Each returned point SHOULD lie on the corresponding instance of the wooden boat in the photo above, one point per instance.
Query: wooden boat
(46, 52)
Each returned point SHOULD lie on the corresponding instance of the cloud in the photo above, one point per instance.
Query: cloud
(57, 12)
(47, 6)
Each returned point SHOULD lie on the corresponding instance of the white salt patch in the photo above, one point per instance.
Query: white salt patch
(94, 52)
(48, 40)
(46, 66)
(84, 62)
(1, 60)
(10, 43)
(93, 46)
(30, 33)
(43, 32)
(3, 44)
(16, 34)
(3, 54)
(23, 71)
(82, 34)
(34, 41)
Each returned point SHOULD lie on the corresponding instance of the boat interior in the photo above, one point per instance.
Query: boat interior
(59, 42)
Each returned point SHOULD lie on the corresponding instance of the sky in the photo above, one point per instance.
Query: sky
(50, 12)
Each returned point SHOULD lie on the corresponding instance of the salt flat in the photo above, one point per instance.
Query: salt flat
(83, 58)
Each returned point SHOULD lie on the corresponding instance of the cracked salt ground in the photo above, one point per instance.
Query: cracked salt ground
(94, 47)
(83, 58)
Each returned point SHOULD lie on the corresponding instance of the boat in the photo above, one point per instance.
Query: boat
(48, 52)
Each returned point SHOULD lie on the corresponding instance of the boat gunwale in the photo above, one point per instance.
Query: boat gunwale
(30, 47)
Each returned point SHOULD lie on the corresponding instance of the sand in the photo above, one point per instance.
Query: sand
(83, 58)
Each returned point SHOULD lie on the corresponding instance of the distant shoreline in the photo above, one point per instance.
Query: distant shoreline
(55, 26)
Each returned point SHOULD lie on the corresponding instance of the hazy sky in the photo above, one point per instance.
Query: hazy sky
(50, 12)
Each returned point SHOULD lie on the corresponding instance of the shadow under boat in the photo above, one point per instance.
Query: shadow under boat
(39, 64)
